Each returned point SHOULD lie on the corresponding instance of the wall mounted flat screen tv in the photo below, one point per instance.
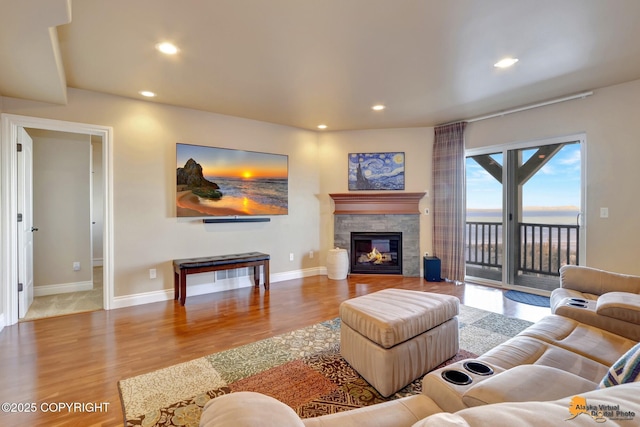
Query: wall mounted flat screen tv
(215, 181)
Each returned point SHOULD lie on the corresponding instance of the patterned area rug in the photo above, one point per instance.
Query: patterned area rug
(302, 368)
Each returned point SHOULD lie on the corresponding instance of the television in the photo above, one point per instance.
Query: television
(223, 182)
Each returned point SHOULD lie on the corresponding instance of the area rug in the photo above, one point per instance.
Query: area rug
(302, 368)
(526, 298)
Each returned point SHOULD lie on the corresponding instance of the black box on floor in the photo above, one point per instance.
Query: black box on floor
(431, 266)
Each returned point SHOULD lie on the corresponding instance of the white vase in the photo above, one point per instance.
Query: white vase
(337, 264)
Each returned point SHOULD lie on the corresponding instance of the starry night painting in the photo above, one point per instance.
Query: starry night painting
(376, 171)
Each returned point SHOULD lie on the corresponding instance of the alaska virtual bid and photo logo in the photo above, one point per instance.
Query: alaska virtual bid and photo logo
(599, 412)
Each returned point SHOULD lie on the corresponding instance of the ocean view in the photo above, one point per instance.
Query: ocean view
(566, 218)
(531, 216)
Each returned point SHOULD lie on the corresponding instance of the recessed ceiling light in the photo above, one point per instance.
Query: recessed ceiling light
(167, 48)
(147, 93)
(322, 126)
(505, 63)
(378, 107)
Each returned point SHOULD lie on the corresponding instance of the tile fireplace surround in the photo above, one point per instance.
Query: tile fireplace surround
(380, 212)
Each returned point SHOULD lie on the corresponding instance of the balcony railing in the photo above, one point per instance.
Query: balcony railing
(542, 248)
(484, 244)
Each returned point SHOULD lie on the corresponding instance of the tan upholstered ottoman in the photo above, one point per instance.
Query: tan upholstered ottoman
(394, 336)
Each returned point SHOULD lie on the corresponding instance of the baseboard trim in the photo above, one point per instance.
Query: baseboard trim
(63, 288)
(207, 288)
(298, 274)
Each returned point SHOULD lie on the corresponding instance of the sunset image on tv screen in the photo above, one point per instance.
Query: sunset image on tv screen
(215, 181)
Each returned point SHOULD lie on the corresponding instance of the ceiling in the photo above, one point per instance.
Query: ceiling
(305, 62)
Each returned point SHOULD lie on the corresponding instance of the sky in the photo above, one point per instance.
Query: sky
(556, 184)
(227, 163)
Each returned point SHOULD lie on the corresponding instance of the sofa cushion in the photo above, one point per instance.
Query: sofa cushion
(526, 383)
(620, 305)
(625, 370)
(522, 350)
(610, 322)
(591, 342)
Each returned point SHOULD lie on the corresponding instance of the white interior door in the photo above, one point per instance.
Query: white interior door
(25, 227)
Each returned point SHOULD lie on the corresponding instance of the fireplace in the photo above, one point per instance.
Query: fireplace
(379, 213)
(376, 252)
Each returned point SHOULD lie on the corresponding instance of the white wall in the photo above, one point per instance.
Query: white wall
(609, 117)
(333, 149)
(147, 233)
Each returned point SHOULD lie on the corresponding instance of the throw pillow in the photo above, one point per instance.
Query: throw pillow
(625, 370)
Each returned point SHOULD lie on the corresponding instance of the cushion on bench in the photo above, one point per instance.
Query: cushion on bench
(220, 260)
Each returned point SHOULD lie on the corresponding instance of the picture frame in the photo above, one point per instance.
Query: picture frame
(376, 171)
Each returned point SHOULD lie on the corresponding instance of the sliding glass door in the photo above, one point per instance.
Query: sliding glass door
(524, 212)
(484, 228)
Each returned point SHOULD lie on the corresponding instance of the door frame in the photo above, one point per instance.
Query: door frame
(10, 124)
(504, 149)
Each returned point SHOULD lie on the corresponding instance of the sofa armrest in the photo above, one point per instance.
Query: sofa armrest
(598, 282)
(620, 305)
(527, 383)
(248, 409)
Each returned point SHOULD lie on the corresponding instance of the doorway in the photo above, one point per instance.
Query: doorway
(525, 205)
(12, 126)
(64, 178)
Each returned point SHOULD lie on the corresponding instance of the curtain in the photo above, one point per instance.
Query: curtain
(449, 202)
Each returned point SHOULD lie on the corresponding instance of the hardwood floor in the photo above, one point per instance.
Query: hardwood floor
(81, 357)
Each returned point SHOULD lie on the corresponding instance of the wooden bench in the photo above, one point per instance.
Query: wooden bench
(183, 267)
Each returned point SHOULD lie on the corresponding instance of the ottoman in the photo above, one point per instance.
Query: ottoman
(393, 336)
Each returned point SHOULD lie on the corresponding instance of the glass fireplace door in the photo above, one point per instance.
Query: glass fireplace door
(376, 253)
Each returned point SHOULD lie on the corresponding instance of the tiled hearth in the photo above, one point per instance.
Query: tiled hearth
(381, 212)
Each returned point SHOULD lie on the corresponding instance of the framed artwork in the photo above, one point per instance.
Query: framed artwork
(215, 181)
(376, 171)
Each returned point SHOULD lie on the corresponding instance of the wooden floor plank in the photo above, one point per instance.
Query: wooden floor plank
(81, 357)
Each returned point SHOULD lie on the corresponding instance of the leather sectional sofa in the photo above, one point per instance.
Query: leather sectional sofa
(551, 372)
(604, 299)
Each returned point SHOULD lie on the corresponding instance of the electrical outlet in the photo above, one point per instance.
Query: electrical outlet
(76, 266)
(152, 273)
(310, 254)
(604, 212)
(291, 256)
